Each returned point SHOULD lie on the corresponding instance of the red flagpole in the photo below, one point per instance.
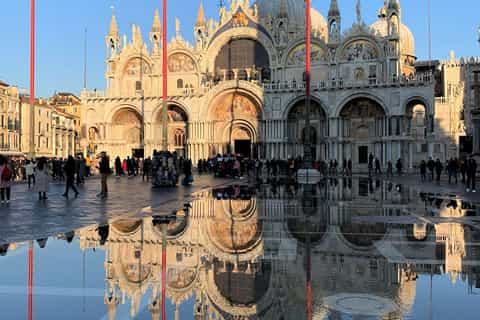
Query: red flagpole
(308, 47)
(32, 51)
(30, 281)
(32, 102)
(164, 76)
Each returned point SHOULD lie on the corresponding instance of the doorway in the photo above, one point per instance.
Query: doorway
(363, 154)
(243, 148)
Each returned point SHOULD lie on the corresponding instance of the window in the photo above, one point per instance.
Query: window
(180, 83)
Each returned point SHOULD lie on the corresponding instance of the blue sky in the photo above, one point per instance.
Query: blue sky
(61, 25)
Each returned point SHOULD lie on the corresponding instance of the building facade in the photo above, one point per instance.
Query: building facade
(46, 131)
(10, 114)
(240, 88)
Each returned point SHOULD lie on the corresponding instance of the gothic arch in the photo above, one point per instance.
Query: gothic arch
(109, 117)
(367, 38)
(293, 102)
(365, 95)
(422, 100)
(292, 46)
(186, 53)
(236, 33)
(156, 114)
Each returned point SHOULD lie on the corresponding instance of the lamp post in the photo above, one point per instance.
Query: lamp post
(164, 79)
(307, 174)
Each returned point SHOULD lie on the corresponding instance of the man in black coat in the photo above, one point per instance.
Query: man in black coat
(104, 168)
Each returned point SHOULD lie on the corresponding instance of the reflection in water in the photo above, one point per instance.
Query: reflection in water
(343, 247)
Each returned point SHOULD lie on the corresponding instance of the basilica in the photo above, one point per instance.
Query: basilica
(240, 88)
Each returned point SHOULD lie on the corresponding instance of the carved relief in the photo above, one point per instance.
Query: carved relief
(360, 51)
(180, 62)
(362, 108)
(135, 66)
(297, 55)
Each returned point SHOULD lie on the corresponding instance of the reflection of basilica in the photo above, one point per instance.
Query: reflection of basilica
(247, 258)
(240, 87)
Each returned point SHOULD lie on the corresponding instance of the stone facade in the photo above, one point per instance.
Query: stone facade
(239, 88)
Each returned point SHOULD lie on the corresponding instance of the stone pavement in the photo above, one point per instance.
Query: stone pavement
(26, 218)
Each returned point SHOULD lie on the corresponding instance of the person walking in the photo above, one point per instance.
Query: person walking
(399, 166)
(147, 168)
(471, 174)
(41, 179)
(6, 176)
(431, 167)
(423, 170)
(104, 168)
(29, 173)
(378, 167)
(69, 170)
(438, 169)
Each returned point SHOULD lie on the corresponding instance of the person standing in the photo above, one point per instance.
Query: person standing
(431, 167)
(69, 170)
(29, 172)
(6, 176)
(104, 168)
(378, 167)
(118, 167)
(147, 168)
(399, 166)
(41, 179)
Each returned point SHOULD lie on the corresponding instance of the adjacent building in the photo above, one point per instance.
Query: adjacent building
(240, 88)
(10, 115)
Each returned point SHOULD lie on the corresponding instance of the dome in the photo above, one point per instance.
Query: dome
(295, 11)
(407, 41)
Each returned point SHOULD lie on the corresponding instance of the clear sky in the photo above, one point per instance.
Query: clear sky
(61, 25)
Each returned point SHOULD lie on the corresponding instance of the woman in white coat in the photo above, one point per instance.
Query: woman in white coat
(41, 179)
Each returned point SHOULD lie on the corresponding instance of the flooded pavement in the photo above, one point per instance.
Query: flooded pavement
(342, 249)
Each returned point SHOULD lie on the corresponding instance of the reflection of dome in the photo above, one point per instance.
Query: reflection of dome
(407, 41)
(235, 236)
(242, 287)
(295, 12)
(364, 234)
(127, 226)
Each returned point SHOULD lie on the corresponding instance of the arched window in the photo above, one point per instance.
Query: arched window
(180, 83)
(180, 139)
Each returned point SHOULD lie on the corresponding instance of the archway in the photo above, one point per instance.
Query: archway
(125, 132)
(177, 132)
(362, 126)
(416, 123)
(242, 59)
(297, 130)
(235, 118)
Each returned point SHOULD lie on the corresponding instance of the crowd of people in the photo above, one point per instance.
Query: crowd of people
(165, 168)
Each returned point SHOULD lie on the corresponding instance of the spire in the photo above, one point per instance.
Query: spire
(333, 11)
(201, 21)
(156, 27)
(359, 12)
(113, 26)
(283, 13)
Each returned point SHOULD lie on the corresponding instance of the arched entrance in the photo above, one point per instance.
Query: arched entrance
(417, 127)
(177, 132)
(362, 125)
(125, 132)
(297, 130)
(235, 118)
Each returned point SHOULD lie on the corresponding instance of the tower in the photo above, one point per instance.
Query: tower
(394, 23)
(112, 40)
(156, 33)
(334, 22)
(200, 27)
